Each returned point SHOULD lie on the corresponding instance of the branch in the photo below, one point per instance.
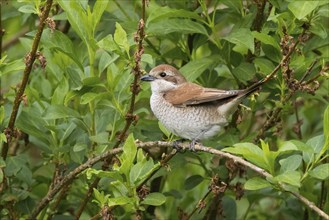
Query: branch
(30, 58)
(160, 144)
(238, 160)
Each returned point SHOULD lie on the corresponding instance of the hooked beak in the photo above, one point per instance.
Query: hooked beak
(148, 78)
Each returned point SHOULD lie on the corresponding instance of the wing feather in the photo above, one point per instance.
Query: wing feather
(192, 94)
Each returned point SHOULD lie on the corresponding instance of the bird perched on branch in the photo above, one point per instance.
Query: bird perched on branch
(188, 110)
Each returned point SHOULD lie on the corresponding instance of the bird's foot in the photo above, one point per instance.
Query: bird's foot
(176, 144)
(192, 145)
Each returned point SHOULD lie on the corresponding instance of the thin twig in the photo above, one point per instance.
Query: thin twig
(309, 69)
(275, 113)
(198, 205)
(30, 58)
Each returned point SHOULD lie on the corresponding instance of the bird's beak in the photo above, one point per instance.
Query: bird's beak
(148, 78)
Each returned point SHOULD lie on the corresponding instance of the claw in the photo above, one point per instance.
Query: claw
(177, 143)
(192, 145)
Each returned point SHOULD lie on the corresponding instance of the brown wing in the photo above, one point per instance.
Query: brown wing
(193, 94)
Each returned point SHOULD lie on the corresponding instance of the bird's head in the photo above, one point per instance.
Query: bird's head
(164, 78)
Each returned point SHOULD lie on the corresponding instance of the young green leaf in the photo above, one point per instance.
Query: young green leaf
(250, 152)
(290, 163)
(243, 38)
(290, 177)
(120, 37)
(128, 155)
(320, 172)
(302, 8)
(154, 199)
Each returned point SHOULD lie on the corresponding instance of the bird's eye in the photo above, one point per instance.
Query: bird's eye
(162, 74)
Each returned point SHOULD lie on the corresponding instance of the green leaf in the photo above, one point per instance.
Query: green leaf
(183, 26)
(269, 156)
(2, 113)
(142, 170)
(316, 143)
(15, 164)
(121, 200)
(290, 163)
(193, 69)
(28, 9)
(11, 67)
(79, 147)
(3, 138)
(77, 17)
(1, 175)
(192, 182)
(290, 177)
(60, 92)
(325, 127)
(100, 197)
(320, 172)
(244, 72)
(58, 41)
(108, 44)
(164, 13)
(266, 39)
(98, 10)
(59, 111)
(319, 29)
(100, 138)
(250, 152)
(154, 199)
(101, 174)
(295, 145)
(120, 37)
(164, 129)
(301, 9)
(128, 155)
(243, 38)
(263, 65)
(256, 183)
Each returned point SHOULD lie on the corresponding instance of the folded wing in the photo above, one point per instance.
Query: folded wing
(192, 94)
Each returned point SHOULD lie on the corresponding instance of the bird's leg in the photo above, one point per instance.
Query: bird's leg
(194, 140)
(177, 143)
(192, 145)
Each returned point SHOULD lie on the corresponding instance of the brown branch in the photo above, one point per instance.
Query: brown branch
(159, 144)
(255, 168)
(30, 58)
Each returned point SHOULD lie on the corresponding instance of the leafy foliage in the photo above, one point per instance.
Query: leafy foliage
(78, 99)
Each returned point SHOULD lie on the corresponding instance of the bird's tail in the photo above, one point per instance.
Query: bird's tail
(252, 88)
(230, 105)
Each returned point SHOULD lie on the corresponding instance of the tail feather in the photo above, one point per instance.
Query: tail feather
(230, 105)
